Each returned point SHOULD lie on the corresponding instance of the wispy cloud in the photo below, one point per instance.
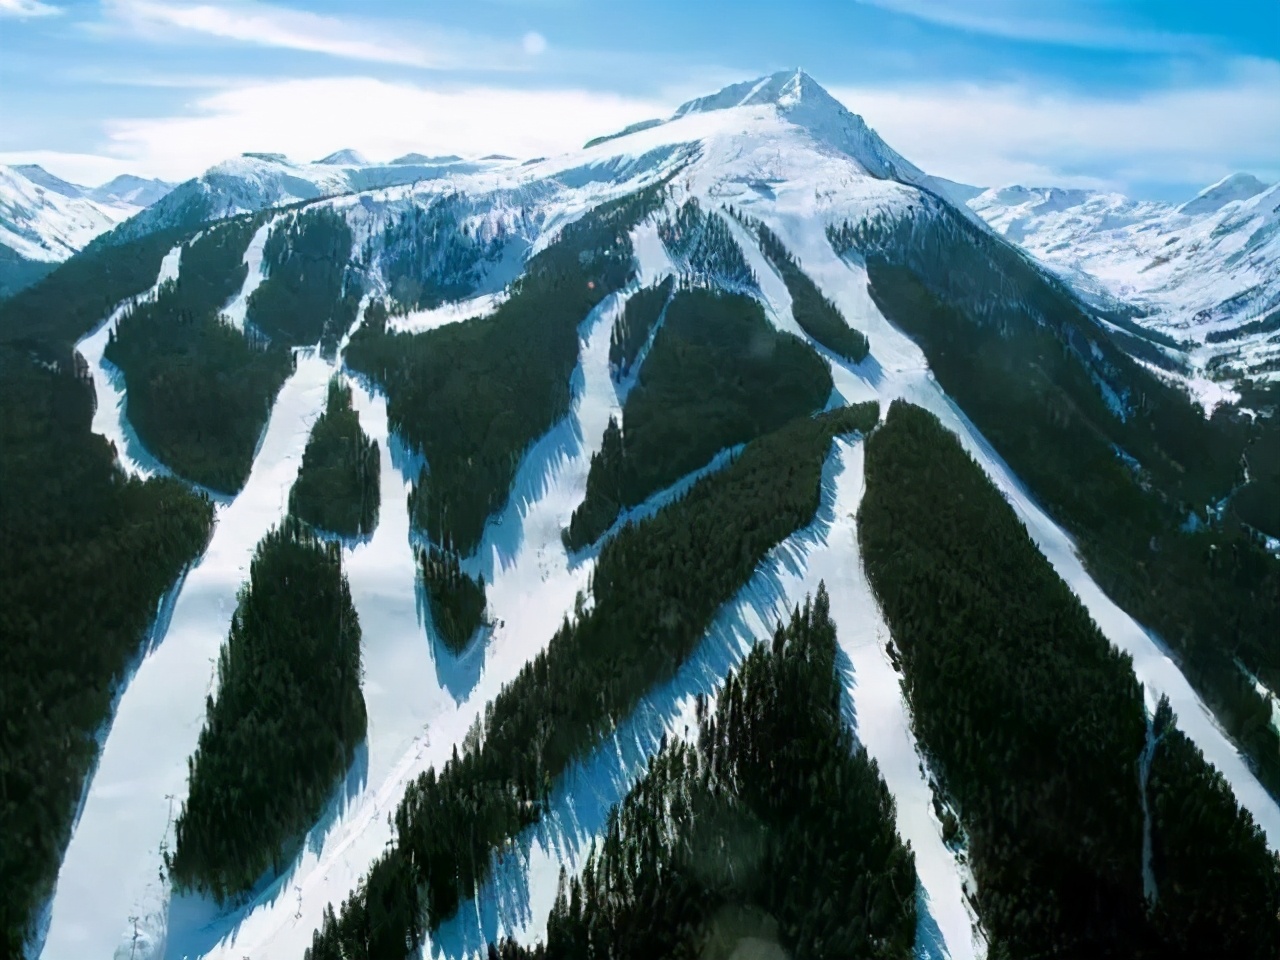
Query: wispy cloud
(998, 134)
(27, 8)
(350, 38)
(1044, 21)
(380, 119)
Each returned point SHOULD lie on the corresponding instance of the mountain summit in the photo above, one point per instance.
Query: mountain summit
(801, 100)
(1237, 186)
(787, 88)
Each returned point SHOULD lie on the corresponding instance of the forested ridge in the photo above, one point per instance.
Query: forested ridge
(1257, 503)
(85, 557)
(288, 716)
(631, 332)
(816, 315)
(774, 827)
(685, 561)
(1035, 726)
(703, 247)
(718, 375)
(1071, 413)
(337, 486)
(81, 292)
(430, 256)
(200, 391)
(474, 395)
(310, 293)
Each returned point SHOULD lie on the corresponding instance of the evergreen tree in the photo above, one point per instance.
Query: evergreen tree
(287, 719)
(1034, 724)
(337, 486)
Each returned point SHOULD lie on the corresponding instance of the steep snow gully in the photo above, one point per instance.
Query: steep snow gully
(111, 896)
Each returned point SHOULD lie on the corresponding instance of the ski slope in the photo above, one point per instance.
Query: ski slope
(109, 418)
(141, 776)
(236, 311)
(518, 896)
(790, 161)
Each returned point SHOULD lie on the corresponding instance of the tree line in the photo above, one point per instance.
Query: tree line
(772, 826)
(337, 487)
(718, 375)
(311, 291)
(657, 586)
(474, 395)
(633, 329)
(456, 600)
(1120, 459)
(430, 255)
(199, 392)
(816, 315)
(284, 726)
(1035, 726)
(86, 555)
(702, 245)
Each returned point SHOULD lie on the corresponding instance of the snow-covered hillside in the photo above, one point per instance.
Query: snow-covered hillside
(1206, 272)
(255, 181)
(44, 219)
(779, 149)
(41, 222)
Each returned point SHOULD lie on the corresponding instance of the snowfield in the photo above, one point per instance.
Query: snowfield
(40, 223)
(778, 150)
(1207, 267)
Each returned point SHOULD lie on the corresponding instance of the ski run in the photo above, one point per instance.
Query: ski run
(112, 898)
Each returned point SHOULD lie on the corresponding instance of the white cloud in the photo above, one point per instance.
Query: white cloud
(534, 43)
(305, 119)
(266, 25)
(983, 134)
(27, 8)
(993, 135)
(1045, 21)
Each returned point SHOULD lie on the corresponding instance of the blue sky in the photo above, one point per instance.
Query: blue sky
(1152, 97)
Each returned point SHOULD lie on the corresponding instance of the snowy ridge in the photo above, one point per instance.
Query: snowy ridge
(1197, 272)
(40, 223)
(255, 181)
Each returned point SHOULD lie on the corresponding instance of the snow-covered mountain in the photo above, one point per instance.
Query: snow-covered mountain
(255, 181)
(779, 150)
(45, 219)
(1206, 272)
(128, 190)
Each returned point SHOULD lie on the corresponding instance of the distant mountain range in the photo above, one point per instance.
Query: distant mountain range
(44, 219)
(1206, 272)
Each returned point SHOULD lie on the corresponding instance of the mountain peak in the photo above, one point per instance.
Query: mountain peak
(787, 88)
(1237, 186)
(42, 177)
(344, 158)
(802, 101)
(131, 190)
(418, 159)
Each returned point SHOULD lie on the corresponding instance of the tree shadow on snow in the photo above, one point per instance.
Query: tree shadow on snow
(582, 798)
(196, 923)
